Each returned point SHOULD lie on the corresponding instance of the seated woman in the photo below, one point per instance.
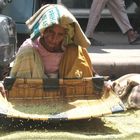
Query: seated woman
(56, 47)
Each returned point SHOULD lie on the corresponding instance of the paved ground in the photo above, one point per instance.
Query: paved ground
(117, 57)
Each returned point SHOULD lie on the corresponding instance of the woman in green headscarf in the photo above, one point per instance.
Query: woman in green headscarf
(56, 47)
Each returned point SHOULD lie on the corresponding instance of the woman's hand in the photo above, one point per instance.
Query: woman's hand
(2, 90)
(108, 85)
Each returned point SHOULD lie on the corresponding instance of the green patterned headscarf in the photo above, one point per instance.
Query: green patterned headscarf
(51, 14)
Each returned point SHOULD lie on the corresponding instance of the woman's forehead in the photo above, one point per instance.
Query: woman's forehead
(55, 27)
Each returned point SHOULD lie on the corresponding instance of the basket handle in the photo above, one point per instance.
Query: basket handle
(50, 83)
(8, 82)
(98, 83)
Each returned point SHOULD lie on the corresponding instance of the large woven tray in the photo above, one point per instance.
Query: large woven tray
(58, 99)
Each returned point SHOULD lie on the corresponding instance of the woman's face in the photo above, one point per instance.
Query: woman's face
(53, 38)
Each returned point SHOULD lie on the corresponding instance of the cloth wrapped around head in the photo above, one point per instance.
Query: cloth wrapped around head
(51, 14)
